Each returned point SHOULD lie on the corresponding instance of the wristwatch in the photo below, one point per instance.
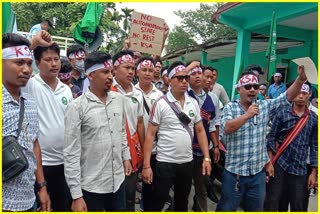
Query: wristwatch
(42, 184)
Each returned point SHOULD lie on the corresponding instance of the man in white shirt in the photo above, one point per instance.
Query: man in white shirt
(52, 98)
(174, 146)
(96, 152)
(145, 71)
(124, 71)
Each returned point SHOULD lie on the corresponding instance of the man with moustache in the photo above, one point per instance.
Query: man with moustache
(96, 153)
(145, 70)
(289, 175)
(208, 110)
(245, 138)
(122, 82)
(52, 98)
(174, 146)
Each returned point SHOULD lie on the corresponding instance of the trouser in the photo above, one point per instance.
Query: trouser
(106, 202)
(249, 188)
(178, 175)
(131, 188)
(200, 181)
(294, 189)
(57, 188)
(148, 189)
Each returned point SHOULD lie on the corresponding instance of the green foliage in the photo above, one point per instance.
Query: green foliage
(179, 39)
(67, 16)
(196, 25)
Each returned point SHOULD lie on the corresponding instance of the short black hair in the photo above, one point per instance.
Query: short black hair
(13, 39)
(155, 62)
(95, 57)
(74, 49)
(48, 22)
(209, 68)
(188, 63)
(253, 67)
(120, 54)
(66, 66)
(175, 64)
(37, 52)
(145, 58)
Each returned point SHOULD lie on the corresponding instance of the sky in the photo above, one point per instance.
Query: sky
(161, 9)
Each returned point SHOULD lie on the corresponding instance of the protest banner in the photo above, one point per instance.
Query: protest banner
(146, 34)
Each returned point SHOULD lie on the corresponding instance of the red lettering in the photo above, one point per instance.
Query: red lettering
(148, 38)
(146, 45)
(146, 17)
(18, 51)
(135, 35)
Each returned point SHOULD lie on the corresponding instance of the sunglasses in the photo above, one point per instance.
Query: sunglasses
(182, 77)
(249, 86)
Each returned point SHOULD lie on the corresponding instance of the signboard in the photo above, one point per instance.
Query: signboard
(146, 34)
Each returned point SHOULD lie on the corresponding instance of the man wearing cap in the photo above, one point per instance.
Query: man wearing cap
(243, 130)
(76, 55)
(174, 147)
(122, 82)
(18, 194)
(289, 174)
(208, 114)
(96, 152)
(277, 88)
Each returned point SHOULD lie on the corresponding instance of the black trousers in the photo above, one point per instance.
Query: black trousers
(286, 189)
(106, 202)
(148, 189)
(57, 188)
(168, 175)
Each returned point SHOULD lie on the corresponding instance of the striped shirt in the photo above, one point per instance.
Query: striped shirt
(294, 158)
(18, 193)
(247, 147)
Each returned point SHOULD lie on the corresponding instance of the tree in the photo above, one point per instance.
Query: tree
(197, 26)
(179, 39)
(67, 15)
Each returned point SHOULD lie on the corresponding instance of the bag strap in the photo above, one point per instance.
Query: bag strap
(291, 136)
(21, 115)
(177, 112)
(145, 105)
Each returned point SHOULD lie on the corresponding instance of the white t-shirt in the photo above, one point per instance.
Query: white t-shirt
(174, 143)
(133, 106)
(51, 107)
(150, 98)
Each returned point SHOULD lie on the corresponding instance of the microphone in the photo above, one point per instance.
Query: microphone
(253, 101)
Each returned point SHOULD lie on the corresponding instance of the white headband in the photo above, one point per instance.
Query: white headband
(106, 64)
(305, 88)
(247, 79)
(145, 63)
(195, 70)
(77, 55)
(176, 70)
(124, 59)
(158, 64)
(16, 52)
(165, 72)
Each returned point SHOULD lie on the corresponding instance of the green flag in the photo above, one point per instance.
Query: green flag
(86, 28)
(271, 53)
(8, 18)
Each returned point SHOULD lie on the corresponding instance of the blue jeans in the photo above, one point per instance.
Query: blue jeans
(251, 189)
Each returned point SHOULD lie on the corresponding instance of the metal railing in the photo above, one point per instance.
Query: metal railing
(63, 42)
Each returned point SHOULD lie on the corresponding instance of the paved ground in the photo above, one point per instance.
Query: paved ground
(313, 201)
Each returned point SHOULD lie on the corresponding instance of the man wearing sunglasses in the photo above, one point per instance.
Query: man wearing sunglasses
(174, 147)
(245, 137)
